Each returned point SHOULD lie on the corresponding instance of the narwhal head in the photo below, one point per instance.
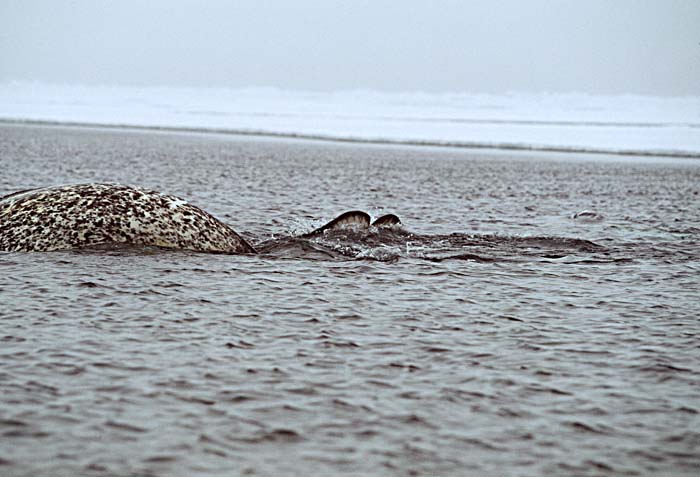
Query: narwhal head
(388, 220)
(353, 218)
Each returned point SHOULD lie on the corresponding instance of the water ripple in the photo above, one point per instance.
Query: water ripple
(493, 335)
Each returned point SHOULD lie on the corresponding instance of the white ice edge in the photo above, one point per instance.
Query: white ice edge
(563, 122)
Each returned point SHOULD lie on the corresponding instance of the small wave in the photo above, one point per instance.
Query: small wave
(587, 216)
(462, 256)
(276, 435)
(123, 426)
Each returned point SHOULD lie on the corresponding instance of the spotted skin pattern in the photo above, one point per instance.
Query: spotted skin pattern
(83, 215)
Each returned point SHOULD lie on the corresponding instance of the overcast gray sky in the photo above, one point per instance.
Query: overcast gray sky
(596, 46)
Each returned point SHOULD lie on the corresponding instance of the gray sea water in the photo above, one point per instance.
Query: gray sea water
(493, 335)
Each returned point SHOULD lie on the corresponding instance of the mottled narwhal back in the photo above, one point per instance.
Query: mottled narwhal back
(74, 216)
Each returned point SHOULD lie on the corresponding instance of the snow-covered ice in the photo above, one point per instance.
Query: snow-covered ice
(576, 122)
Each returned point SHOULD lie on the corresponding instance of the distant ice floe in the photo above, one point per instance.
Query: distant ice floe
(627, 124)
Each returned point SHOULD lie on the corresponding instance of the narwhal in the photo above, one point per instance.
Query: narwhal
(84, 215)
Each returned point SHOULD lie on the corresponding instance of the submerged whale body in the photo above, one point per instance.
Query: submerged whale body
(85, 215)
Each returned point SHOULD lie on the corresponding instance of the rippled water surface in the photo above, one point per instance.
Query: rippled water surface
(493, 335)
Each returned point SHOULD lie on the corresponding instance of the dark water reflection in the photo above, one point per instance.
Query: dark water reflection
(500, 338)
